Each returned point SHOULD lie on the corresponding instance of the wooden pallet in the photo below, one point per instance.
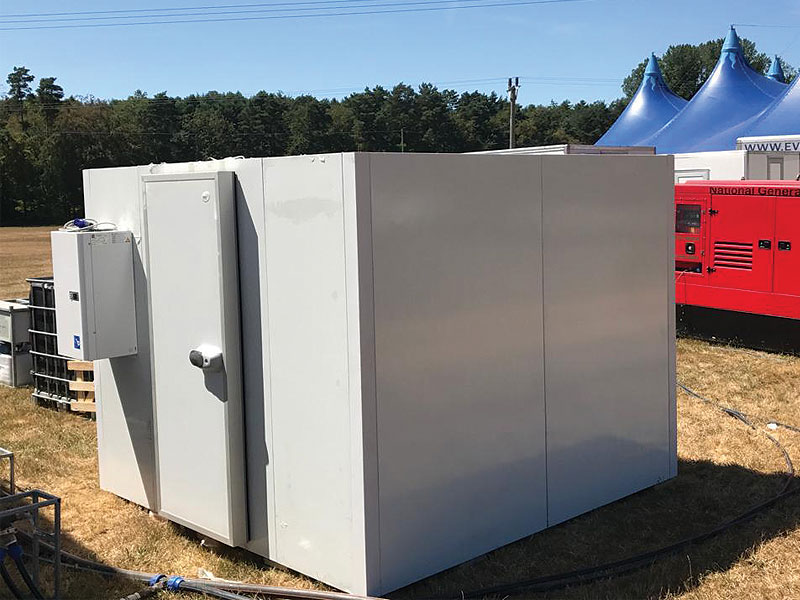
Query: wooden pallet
(81, 386)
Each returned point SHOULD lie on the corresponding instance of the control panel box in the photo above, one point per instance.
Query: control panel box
(95, 309)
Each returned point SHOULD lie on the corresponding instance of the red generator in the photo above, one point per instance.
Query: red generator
(737, 248)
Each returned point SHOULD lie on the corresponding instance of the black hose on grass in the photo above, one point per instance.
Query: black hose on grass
(6, 576)
(546, 583)
(604, 571)
(76, 562)
(15, 552)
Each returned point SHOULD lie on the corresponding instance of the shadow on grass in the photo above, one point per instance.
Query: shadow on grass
(703, 495)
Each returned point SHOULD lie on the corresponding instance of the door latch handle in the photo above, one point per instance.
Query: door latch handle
(765, 244)
(784, 245)
(206, 357)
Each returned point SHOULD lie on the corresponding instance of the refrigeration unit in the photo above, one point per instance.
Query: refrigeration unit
(372, 367)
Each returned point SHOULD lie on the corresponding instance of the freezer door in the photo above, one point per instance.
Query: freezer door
(194, 322)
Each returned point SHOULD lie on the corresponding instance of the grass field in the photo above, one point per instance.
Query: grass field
(723, 469)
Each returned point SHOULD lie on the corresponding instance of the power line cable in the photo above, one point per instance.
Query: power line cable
(180, 8)
(766, 25)
(203, 13)
(297, 16)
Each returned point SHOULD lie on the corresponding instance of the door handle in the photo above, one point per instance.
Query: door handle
(206, 357)
(784, 245)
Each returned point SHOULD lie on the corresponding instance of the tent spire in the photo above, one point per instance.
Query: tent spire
(652, 66)
(776, 71)
(732, 43)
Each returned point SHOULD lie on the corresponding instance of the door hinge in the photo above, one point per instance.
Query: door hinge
(710, 269)
(712, 211)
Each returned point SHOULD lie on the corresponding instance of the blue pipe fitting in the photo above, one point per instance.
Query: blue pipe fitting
(155, 579)
(174, 583)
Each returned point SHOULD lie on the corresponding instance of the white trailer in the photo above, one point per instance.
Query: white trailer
(769, 158)
(372, 367)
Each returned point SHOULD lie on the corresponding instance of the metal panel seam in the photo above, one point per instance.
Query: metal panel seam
(375, 377)
(271, 531)
(544, 349)
(243, 386)
(146, 242)
(223, 222)
(347, 335)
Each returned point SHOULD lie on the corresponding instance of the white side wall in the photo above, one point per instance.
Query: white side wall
(609, 338)
(458, 353)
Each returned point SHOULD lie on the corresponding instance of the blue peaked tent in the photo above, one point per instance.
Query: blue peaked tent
(776, 71)
(653, 105)
(781, 117)
(733, 94)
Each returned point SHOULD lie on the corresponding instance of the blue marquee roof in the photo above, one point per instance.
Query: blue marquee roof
(653, 105)
(733, 94)
(782, 117)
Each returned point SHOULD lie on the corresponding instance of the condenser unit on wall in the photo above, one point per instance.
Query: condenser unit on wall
(372, 367)
(95, 310)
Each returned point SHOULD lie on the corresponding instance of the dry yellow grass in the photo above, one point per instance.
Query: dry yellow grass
(24, 252)
(724, 468)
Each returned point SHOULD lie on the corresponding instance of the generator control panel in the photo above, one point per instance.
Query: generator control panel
(93, 279)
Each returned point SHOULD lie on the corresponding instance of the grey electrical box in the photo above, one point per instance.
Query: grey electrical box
(95, 309)
(15, 358)
(373, 367)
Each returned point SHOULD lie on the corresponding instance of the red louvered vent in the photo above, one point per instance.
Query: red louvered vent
(733, 255)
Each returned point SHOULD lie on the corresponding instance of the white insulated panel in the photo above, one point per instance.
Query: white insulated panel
(458, 358)
(126, 451)
(609, 337)
(317, 479)
(194, 301)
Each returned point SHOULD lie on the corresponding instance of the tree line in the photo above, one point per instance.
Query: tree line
(47, 139)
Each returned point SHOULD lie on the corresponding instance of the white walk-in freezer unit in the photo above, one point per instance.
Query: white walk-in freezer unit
(373, 367)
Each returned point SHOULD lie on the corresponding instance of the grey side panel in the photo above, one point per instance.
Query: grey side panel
(361, 358)
(458, 340)
(608, 335)
(125, 413)
(311, 408)
(255, 349)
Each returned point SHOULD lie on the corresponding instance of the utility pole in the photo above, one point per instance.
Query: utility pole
(402, 139)
(513, 88)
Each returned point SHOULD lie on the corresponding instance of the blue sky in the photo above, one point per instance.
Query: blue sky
(574, 50)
